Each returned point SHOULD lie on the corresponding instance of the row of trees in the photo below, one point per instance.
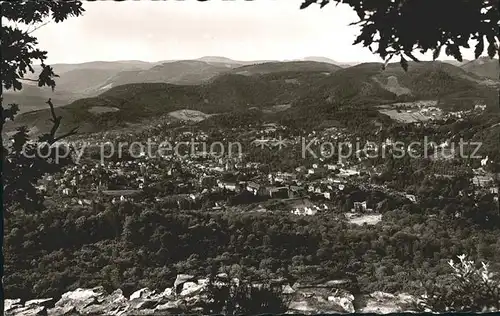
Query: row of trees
(58, 250)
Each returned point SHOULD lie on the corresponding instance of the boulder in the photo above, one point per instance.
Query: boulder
(180, 280)
(11, 304)
(28, 311)
(320, 299)
(287, 289)
(91, 301)
(117, 296)
(147, 299)
(142, 312)
(382, 295)
(204, 281)
(82, 298)
(46, 302)
(385, 303)
(93, 309)
(406, 298)
(193, 301)
(301, 306)
(191, 288)
(62, 311)
(345, 301)
(167, 292)
(193, 293)
(144, 303)
(142, 293)
(175, 306)
(116, 303)
(113, 304)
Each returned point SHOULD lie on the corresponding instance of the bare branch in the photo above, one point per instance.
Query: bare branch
(73, 131)
(56, 120)
(38, 27)
(52, 111)
(28, 79)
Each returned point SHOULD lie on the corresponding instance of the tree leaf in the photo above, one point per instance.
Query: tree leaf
(479, 48)
(17, 85)
(492, 49)
(360, 13)
(409, 54)
(404, 63)
(454, 50)
(437, 52)
(307, 3)
(323, 3)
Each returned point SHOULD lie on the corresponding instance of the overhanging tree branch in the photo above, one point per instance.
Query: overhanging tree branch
(402, 26)
(56, 120)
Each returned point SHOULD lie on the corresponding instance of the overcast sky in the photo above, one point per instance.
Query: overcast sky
(241, 30)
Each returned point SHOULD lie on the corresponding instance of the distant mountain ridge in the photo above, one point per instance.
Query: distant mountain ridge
(177, 72)
(294, 66)
(305, 91)
(484, 67)
(330, 61)
(92, 78)
(219, 59)
(89, 79)
(369, 81)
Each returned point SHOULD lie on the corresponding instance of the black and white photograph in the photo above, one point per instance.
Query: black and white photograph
(236, 157)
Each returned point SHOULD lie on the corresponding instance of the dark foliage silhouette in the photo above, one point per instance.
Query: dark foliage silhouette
(470, 287)
(19, 53)
(398, 28)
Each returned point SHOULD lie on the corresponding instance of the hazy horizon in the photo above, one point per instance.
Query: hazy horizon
(153, 31)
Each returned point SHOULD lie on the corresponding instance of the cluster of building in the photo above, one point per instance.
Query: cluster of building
(217, 183)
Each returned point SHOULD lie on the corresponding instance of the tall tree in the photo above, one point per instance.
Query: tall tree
(22, 166)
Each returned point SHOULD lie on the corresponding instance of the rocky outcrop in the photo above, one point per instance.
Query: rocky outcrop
(181, 279)
(188, 295)
(384, 303)
(344, 301)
